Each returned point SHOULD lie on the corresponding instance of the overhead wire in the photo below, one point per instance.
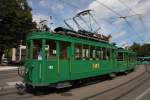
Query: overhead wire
(129, 9)
(71, 5)
(133, 29)
(120, 16)
(139, 17)
(102, 4)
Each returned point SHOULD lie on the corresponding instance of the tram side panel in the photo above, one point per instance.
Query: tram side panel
(84, 66)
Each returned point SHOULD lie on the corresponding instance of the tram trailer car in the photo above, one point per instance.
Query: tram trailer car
(59, 60)
(143, 60)
(126, 60)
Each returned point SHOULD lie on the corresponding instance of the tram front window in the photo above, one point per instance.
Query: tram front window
(37, 50)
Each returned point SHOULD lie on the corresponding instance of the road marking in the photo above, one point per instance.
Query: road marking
(143, 94)
(13, 83)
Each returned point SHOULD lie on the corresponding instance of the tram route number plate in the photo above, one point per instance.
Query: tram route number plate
(50, 67)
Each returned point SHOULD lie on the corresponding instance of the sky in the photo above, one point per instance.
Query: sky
(134, 28)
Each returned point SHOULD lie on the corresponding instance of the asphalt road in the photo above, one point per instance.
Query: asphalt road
(133, 86)
(9, 77)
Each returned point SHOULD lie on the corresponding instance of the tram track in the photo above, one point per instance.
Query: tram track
(140, 79)
(136, 86)
(13, 94)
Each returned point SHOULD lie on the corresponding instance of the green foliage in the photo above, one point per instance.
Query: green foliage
(15, 22)
(141, 50)
(8, 53)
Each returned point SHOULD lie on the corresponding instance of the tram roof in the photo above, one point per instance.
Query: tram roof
(125, 50)
(147, 57)
(60, 37)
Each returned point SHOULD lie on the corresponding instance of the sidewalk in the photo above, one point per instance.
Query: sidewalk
(6, 68)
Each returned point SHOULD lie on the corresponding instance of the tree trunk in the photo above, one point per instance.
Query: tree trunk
(1, 53)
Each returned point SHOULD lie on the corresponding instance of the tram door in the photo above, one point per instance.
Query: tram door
(51, 61)
(64, 60)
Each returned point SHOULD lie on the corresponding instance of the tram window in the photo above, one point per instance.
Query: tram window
(92, 52)
(50, 49)
(87, 53)
(98, 53)
(104, 53)
(37, 49)
(108, 54)
(86, 47)
(83, 53)
(120, 56)
(63, 50)
(78, 51)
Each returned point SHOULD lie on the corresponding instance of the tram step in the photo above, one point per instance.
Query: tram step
(63, 85)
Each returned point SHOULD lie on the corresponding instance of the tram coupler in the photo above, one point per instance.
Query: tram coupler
(21, 88)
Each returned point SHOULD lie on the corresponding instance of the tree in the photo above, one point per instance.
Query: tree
(145, 49)
(136, 48)
(15, 23)
(141, 50)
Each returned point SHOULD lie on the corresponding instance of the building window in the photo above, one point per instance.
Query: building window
(50, 49)
(78, 51)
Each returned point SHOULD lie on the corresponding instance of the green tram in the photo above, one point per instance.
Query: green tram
(59, 60)
(143, 60)
(126, 60)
